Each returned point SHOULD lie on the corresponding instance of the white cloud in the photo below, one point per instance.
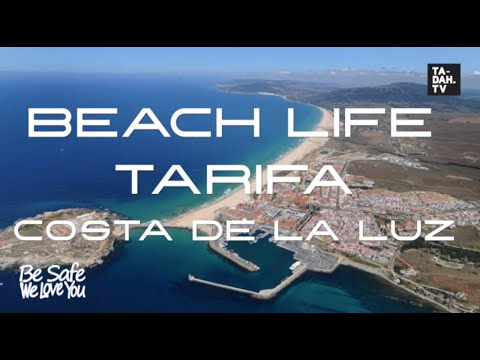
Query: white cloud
(476, 72)
(333, 73)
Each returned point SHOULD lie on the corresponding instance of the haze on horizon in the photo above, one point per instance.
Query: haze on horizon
(342, 67)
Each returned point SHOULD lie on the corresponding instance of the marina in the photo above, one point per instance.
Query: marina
(219, 247)
(264, 294)
(305, 260)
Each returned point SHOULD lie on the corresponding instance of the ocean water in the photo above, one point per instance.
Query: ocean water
(49, 174)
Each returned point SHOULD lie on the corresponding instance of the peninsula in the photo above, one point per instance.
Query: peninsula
(15, 252)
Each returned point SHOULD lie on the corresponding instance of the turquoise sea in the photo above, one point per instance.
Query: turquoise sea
(49, 174)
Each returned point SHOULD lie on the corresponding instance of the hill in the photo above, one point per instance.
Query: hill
(393, 95)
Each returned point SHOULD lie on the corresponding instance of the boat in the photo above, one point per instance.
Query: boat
(263, 236)
(295, 265)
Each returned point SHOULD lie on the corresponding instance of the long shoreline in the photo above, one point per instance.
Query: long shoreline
(207, 211)
(307, 146)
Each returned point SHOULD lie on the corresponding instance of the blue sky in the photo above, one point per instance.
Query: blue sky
(225, 60)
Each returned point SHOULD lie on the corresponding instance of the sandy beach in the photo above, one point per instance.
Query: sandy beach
(207, 212)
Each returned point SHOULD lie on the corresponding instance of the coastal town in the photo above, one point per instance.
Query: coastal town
(375, 206)
(298, 214)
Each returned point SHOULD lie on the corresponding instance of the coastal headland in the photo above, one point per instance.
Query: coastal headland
(45, 251)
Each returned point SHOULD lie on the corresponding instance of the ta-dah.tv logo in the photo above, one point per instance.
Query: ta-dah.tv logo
(444, 79)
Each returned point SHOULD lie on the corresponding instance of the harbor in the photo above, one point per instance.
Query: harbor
(271, 293)
(305, 258)
(264, 294)
(221, 286)
(220, 248)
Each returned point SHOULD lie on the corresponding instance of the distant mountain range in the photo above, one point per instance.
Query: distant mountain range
(291, 89)
(403, 94)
